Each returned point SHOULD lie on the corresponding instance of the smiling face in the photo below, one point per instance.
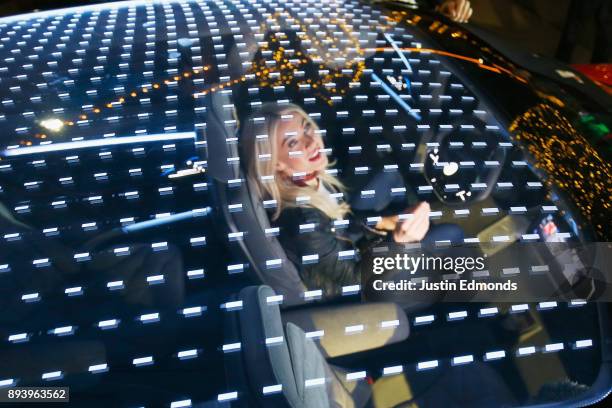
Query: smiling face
(298, 147)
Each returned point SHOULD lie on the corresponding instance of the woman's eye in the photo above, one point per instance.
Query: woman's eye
(292, 143)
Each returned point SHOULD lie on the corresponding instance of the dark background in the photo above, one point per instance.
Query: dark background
(534, 25)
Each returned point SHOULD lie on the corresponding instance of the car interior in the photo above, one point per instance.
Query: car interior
(137, 263)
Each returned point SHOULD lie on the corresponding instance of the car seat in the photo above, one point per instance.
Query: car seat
(280, 365)
(242, 208)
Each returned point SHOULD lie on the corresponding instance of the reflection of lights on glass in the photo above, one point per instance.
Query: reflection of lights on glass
(187, 172)
(569, 160)
(111, 141)
(396, 97)
(463, 194)
(397, 83)
(53, 124)
(450, 168)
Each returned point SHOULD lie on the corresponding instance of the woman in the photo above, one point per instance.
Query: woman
(282, 148)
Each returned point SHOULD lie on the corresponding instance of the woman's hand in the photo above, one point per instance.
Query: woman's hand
(413, 228)
(387, 223)
(457, 10)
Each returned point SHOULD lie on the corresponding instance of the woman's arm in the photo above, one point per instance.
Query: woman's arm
(329, 272)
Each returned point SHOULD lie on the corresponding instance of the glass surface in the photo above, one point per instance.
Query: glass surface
(116, 265)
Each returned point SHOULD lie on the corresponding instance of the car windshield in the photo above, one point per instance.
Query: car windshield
(125, 208)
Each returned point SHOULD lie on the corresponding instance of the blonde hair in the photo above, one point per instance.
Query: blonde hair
(259, 152)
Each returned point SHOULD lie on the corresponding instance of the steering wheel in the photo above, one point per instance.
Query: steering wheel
(463, 164)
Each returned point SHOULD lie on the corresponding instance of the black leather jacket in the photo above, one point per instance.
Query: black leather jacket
(331, 271)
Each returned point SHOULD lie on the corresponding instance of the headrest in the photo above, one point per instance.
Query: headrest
(223, 166)
(223, 156)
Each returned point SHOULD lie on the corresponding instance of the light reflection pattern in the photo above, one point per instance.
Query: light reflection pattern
(569, 162)
(135, 74)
